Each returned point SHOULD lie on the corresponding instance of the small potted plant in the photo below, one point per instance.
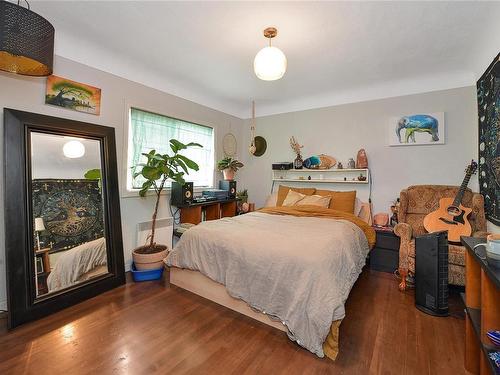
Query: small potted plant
(156, 171)
(229, 167)
(242, 195)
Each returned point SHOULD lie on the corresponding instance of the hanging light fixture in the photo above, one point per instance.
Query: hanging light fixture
(73, 149)
(270, 62)
(26, 41)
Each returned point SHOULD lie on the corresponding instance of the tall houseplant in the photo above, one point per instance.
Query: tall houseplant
(156, 171)
(229, 167)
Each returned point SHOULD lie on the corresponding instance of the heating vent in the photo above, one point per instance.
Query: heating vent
(163, 231)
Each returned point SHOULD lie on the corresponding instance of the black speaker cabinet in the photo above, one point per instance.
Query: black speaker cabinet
(181, 195)
(431, 273)
(230, 187)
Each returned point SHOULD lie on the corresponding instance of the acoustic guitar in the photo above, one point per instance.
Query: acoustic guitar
(451, 215)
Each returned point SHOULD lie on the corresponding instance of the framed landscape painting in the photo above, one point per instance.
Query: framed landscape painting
(417, 129)
(73, 95)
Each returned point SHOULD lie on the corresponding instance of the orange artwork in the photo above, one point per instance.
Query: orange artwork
(73, 95)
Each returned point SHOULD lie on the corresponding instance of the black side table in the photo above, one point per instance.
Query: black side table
(385, 255)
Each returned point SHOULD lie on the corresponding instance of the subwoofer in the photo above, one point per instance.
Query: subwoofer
(181, 194)
(230, 187)
(431, 273)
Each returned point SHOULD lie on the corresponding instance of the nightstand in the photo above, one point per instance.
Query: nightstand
(385, 255)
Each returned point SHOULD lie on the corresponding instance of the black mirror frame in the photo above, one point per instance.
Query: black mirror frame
(22, 305)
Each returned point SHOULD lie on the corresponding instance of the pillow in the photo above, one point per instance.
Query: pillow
(341, 200)
(292, 198)
(314, 200)
(283, 191)
(271, 200)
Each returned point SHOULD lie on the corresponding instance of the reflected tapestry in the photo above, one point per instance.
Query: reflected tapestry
(71, 211)
(488, 100)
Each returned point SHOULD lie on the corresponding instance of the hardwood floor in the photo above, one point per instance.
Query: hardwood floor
(148, 328)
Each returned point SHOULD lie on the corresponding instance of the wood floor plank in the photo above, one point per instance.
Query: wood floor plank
(149, 328)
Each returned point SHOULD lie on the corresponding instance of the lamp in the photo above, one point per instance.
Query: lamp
(26, 41)
(73, 149)
(39, 227)
(270, 62)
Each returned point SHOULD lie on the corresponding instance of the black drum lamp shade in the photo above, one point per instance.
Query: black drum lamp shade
(26, 41)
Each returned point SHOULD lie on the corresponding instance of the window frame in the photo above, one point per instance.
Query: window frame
(127, 191)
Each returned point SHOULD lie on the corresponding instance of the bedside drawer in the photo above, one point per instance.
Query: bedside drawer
(388, 241)
(384, 260)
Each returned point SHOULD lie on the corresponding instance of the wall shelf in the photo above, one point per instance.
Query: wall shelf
(332, 176)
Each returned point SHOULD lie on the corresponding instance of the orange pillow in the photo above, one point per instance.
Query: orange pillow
(283, 191)
(341, 200)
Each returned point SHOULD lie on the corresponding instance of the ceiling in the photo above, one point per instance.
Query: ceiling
(338, 52)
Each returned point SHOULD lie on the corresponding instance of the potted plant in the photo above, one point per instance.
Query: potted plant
(156, 171)
(229, 167)
(242, 195)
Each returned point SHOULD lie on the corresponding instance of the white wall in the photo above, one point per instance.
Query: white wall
(27, 94)
(342, 130)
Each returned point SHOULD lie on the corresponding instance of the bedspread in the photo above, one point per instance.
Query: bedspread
(76, 262)
(299, 270)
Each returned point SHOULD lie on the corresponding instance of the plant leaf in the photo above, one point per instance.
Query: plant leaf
(176, 146)
(151, 173)
(191, 164)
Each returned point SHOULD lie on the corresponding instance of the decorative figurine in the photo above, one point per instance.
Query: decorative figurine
(351, 164)
(340, 166)
(362, 159)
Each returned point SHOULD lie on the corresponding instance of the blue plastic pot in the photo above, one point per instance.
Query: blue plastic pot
(146, 275)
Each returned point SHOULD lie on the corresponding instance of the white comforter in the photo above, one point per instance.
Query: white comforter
(297, 269)
(72, 264)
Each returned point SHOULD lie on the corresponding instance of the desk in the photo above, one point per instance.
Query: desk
(197, 212)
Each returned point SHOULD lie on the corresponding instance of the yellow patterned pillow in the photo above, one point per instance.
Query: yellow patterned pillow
(341, 200)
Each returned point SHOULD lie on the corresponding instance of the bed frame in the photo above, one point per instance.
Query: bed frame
(198, 283)
(203, 286)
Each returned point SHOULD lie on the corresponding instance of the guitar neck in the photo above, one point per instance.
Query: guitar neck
(458, 198)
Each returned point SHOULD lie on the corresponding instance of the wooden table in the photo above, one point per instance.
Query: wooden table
(482, 302)
(211, 210)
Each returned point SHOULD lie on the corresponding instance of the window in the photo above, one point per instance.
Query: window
(150, 131)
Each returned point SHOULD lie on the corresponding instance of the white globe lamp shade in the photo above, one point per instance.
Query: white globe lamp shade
(270, 64)
(74, 149)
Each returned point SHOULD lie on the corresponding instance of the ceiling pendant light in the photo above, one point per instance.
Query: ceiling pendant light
(26, 41)
(73, 149)
(270, 62)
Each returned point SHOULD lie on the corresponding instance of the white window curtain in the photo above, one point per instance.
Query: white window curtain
(151, 131)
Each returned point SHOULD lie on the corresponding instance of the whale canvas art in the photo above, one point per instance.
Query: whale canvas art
(417, 129)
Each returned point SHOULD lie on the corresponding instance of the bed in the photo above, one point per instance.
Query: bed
(79, 264)
(289, 267)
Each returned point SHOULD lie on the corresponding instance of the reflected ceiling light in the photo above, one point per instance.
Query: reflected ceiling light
(270, 62)
(74, 149)
(26, 41)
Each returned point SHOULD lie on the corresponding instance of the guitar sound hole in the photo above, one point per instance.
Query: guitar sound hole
(453, 211)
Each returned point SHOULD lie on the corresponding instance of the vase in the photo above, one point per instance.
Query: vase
(298, 163)
(228, 174)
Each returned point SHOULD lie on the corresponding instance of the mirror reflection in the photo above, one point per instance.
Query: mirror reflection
(68, 211)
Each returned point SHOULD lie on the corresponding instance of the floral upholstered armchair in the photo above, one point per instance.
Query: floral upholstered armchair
(415, 203)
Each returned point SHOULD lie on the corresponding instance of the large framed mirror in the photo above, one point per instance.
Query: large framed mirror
(62, 213)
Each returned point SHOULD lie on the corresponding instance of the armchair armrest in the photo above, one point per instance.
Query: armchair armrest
(405, 232)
